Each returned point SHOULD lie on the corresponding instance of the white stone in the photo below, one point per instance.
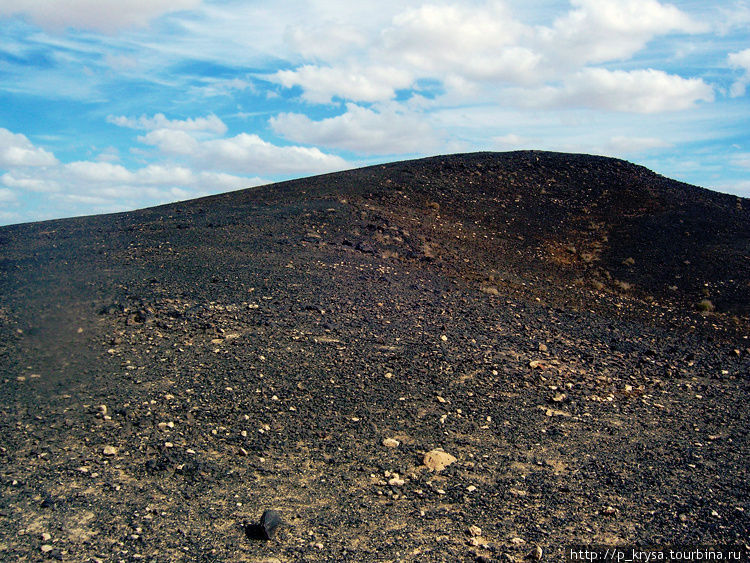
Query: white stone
(437, 460)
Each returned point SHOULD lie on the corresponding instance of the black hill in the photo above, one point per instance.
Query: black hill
(572, 330)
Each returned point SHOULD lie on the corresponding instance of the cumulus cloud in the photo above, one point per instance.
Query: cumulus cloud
(460, 45)
(248, 153)
(171, 142)
(637, 91)
(208, 124)
(108, 17)
(740, 61)
(243, 153)
(479, 43)
(100, 183)
(472, 49)
(363, 84)
(604, 30)
(195, 165)
(103, 172)
(30, 181)
(360, 130)
(17, 150)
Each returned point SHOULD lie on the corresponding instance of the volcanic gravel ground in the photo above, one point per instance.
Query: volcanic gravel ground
(171, 373)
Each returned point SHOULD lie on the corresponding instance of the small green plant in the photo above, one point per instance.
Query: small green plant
(705, 306)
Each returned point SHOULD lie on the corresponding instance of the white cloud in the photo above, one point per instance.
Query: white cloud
(511, 141)
(7, 196)
(478, 43)
(17, 150)
(208, 124)
(247, 153)
(93, 14)
(366, 84)
(104, 172)
(326, 41)
(459, 45)
(30, 181)
(120, 62)
(741, 160)
(100, 183)
(222, 87)
(637, 91)
(471, 49)
(96, 186)
(740, 61)
(243, 153)
(734, 16)
(209, 168)
(626, 145)
(159, 174)
(736, 187)
(110, 154)
(605, 30)
(361, 130)
(171, 141)
(9, 217)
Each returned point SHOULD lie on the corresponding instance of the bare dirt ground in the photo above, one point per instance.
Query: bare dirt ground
(169, 374)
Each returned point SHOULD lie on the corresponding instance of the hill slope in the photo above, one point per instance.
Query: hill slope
(533, 314)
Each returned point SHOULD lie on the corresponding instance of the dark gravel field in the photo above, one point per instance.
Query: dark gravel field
(482, 357)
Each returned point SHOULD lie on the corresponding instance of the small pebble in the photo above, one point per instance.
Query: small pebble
(396, 481)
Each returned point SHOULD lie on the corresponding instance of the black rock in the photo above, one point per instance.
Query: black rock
(269, 521)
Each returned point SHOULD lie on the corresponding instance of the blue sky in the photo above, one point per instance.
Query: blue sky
(110, 106)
